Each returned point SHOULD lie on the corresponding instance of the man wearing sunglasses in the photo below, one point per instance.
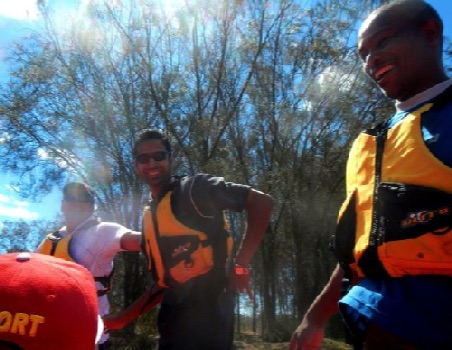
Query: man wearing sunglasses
(189, 250)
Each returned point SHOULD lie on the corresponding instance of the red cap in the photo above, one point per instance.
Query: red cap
(47, 303)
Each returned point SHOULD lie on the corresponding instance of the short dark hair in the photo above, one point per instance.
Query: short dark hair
(416, 11)
(78, 192)
(150, 134)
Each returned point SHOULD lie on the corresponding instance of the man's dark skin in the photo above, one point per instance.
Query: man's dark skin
(403, 60)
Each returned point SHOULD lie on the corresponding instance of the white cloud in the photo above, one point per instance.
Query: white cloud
(334, 79)
(4, 198)
(19, 9)
(4, 136)
(17, 212)
(12, 208)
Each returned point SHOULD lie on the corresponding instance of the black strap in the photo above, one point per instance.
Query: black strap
(151, 206)
(106, 283)
(55, 237)
(102, 292)
(381, 139)
(151, 299)
(369, 262)
(203, 218)
(153, 209)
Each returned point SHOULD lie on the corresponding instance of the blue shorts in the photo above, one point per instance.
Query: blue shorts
(417, 309)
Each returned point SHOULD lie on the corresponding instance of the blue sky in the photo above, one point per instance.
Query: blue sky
(17, 17)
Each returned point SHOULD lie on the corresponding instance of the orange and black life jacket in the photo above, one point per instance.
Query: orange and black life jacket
(179, 242)
(411, 202)
(57, 246)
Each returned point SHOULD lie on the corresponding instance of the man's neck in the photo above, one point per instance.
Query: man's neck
(155, 191)
(423, 96)
(159, 189)
(73, 224)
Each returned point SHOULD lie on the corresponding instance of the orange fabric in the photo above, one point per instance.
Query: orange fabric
(423, 255)
(169, 227)
(62, 247)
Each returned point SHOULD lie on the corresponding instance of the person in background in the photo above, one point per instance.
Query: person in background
(397, 215)
(90, 242)
(188, 247)
(46, 303)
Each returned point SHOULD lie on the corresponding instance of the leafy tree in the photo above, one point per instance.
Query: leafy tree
(22, 235)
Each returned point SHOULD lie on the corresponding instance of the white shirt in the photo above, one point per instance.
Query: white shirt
(95, 248)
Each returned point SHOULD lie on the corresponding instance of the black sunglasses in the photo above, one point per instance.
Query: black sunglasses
(144, 158)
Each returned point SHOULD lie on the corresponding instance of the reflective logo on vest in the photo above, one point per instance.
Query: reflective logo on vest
(423, 216)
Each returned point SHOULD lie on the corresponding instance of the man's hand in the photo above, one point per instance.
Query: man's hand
(152, 297)
(309, 334)
(239, 281)
(306, 337)
(113, 322)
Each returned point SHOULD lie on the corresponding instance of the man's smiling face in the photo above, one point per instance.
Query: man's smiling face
(396, 53)
(153, 163)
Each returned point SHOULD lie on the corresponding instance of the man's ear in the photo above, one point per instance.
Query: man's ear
(433, 31)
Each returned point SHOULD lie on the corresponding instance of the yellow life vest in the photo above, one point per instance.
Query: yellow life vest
(57, 246)
(407, 160)
(176, 252)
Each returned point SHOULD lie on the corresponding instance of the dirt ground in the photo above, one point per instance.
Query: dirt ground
(250, 341)
(253, 342)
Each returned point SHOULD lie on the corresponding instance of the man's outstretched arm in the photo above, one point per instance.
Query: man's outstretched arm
(152, 297)
(309, 334)
(258, 207)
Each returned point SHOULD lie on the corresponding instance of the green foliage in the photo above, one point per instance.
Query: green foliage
(23, 235)
(331, 344)
(141, 335)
